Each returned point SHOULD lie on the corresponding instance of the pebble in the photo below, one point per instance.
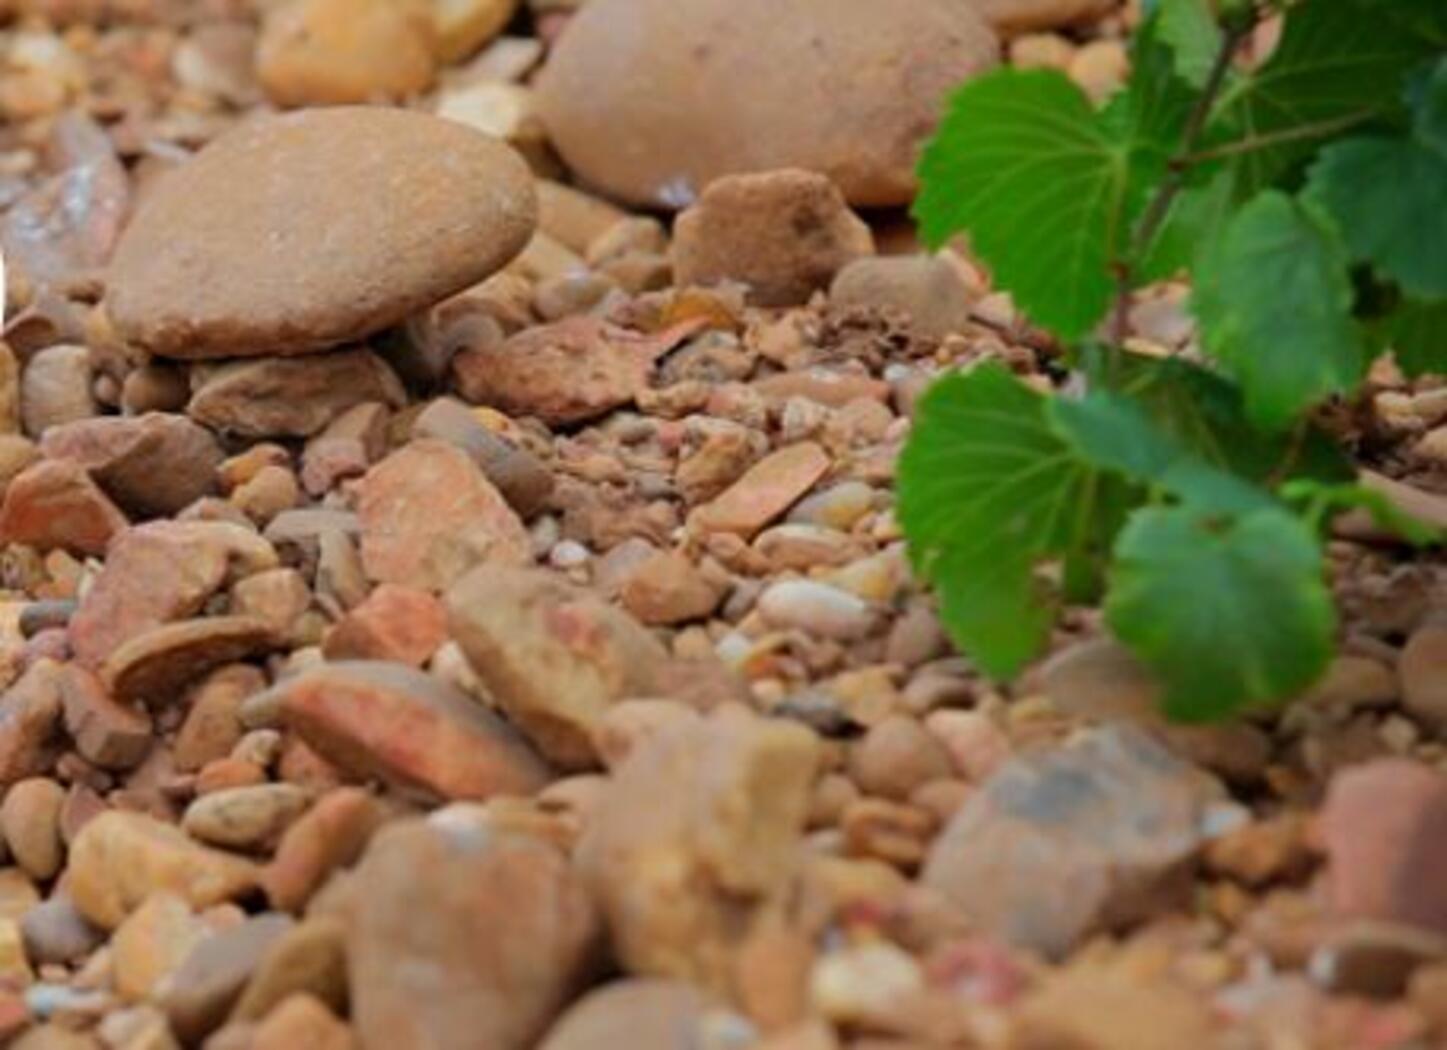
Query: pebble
(428, 514)
(667, 588)
(1423, 670)
(197, 995)
(845, 91)
(1114, 816)
(327, 52)
(152, 941)
(401, 624)
(56, 933)
(151, 465)
(1014, 16)
(30, 819)
(895, 757)
(1096, 1009)
(301, 1021)
(119, 859)
(277, 596)
(212, 726)
(153, 667)
(29, 716)
(636, 1013)
(461, 27)
(864, 984)
(55, 389)
(245, 818)
(553, 656)
(55, 505)
(524, 481)
(928, 290)
(247, 209)
(818, 609)
(783, 234)
(330, 835)
(765, 492)
(508, 936)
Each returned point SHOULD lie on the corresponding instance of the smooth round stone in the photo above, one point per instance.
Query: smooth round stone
(300, 232)
(653, 99)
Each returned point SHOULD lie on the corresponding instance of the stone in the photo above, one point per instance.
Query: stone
(1018, 16)
(524, 481)
(55, 932)
(55, 388)
(1423, 671)
(783, 234)
(667, 588)
(428, 515)
(554, 657)
(564, 373)
(765, 492)
(158, 573)
(30, 818)
(640, 1013)
(152, 941)
(152, 465)
(1374, 958)
(309, 958)
(330, 835)
(198, 994)
(895, 757)
(818, 609)
(463, 26)
(249, 209)
(681, 872)
(121, 858)
(55, 504)
(213, 725)
(401, 624)
(278, 596)
(1095, 1009)
(1384, 830)
(926, 289)
(409, 729)
(704, 88)
(29, 720)
(1114, 816)
(245, 818)
(301, 1021)
(509, 935)
(291, 396)
(327, 52)
(107, 734)
(865, 983)
(151, 668)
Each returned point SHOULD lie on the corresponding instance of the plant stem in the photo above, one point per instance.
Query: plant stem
(1250, 145)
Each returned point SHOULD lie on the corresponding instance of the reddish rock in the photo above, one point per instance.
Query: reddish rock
(152, 667)
(213, 726)
(564, 373)
(507, 937)
(330, 835)
(783, 234)
(29, 721)
(106, 733)
(301, 1021)
(428, 515)
(524, 481)
(56, 388)
(396, 623)
(157, 573)
(56, 504)
(765, 492)
(151, 465)
(1384, 827)
(668, 588)
(408, 728)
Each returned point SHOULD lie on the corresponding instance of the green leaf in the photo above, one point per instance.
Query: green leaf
(1417, 333)
(1227, 614)
(1191, 228)
(1115, 433)
(1319, 500)
(1034, 176)
(1427, 98)
(986, 491)
(1338, 65)
(1380, 191)
(1190, 28)
(1274, 300)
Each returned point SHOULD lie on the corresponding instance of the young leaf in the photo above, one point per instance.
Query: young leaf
(1025, 166)
(1274, 300)
(987, 490)
(1227, 614)
(1190, 28)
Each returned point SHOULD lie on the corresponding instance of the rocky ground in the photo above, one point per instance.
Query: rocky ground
(447, 607)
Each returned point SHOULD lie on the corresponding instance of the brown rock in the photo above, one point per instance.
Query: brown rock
(29, 720)
(1114, 816)
(213, 725)
(248, 210)
(508, 936)
(765, 492)
(553, 656)
(1017, 16)
(784, 234)
(119, 859)
(400, 624)
(325, 52)
(301, 1021)
(1384, 828)
(465, 25)
(408, 728)
(564, 373)
(638, 1013)
(895, 757)
(520, 476)
(668, 588)
(152, 941)
(56, 504)
(309, 959)
(197, 995)
(1423, 669)
(428, 515)
(697, 832)
(107, 734)
(151, 465)
(160, 572)
(245, 818)
(291, 396)
(278, 596)
(332, 834)
(1087, 1009)
(152, 667)
(56, 933)
(926, 289)
(55, 388)
(30, 818)
(704, 88)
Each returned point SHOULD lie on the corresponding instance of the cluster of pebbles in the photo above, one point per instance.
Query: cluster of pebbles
(452, 598)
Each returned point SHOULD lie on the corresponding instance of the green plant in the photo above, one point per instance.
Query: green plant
(1307, 201)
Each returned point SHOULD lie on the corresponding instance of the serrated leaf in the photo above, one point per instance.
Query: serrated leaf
(1318, 500)
(1115, 433)
(986, 491)
(1380, 191)
(1227, 614)
(1274, 300)
(1191, 228)
(1189, 28)
(1025, 166)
